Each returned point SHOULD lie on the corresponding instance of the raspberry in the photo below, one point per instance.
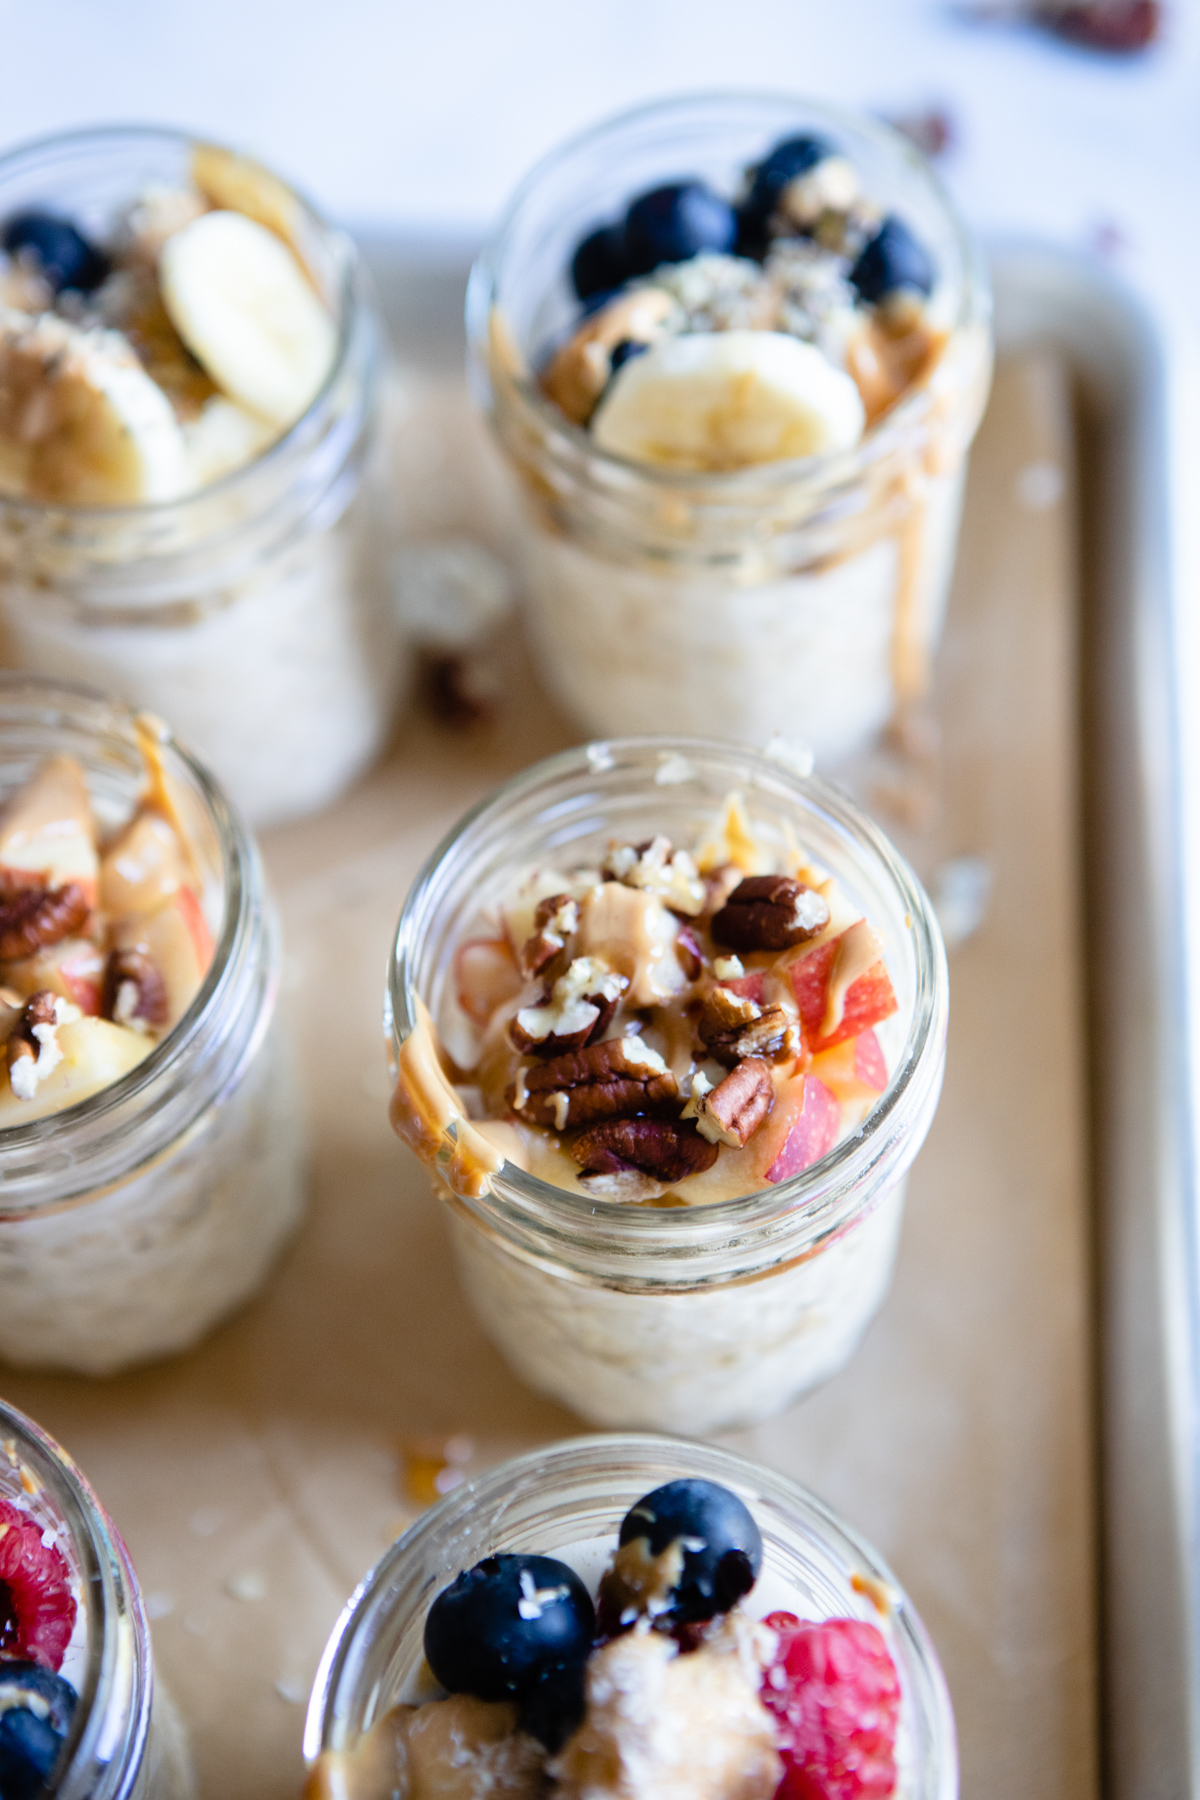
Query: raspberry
(37, 1608)
(835, 1694)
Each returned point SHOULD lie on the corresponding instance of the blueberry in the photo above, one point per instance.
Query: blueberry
(598, 265)
(31, 1736)
(599, 299)
(669, 224)
(505, 1624)
(554, 1708)
(65, 256)
(794, 156)
(622, 352)
(893, 259)
(722, 1548)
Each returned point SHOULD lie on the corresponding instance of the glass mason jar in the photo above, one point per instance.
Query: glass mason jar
(126, 1740)
(803, 597)
(680, 1318)
(133, 1221)
(576, 1493)
(249, 613)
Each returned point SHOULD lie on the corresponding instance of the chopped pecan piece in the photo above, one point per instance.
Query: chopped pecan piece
(613, 1080)
(576, 1012)
(556, 920)
(659, 869)
(732, 1112)
(770, 912)
(134, 992)
(666, 1149)
(34, 917)
(733, 1026)
(31, 1050)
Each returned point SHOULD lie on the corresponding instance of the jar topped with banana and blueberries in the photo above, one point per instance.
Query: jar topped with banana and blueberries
(736, 347)
(189, 367)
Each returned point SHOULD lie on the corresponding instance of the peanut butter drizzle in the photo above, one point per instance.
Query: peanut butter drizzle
(910, 653)
(425, 1107)
(151, 733)
(453, 1749)
(615, 926)
(861, 947)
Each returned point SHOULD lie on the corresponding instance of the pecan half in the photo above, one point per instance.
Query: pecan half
(35, 917)
(134, 992)
(666, 1149)
(612, 1080)
(733, 1026)
(576, 1011)
(770, 912)
(732, 1112)
(31, 1051)
(556, 920)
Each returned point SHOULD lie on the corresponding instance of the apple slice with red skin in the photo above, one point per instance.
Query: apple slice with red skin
(854, 1071)
(47, 829)
(72, 969)
(813, 1134)
(144, 866)
(869, 999)
(485, 976)
(178, 942)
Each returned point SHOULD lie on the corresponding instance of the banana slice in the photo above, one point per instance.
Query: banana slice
(726, 399)
(242, 305)
(80, 419)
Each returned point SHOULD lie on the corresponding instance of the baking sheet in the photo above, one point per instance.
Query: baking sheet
(256, 1479)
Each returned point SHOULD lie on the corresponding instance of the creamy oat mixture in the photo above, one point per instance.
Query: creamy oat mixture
(724, 332)
(103, 938)
(667, 1029)
(661, 1680)
(146, 365)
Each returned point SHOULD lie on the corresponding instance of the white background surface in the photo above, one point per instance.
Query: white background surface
(425, 114)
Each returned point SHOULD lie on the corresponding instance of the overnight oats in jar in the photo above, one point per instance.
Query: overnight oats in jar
(152, 1161)
(626, 1615)
(668, 1029)
(189, 376)
(80, 1714)
(735, 349)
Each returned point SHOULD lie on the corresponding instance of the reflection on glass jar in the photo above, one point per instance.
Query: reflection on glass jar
(248, 612)
(568, 1501)
(121, 1736)
(134, 1220)
(801, 597)
(685, 1318)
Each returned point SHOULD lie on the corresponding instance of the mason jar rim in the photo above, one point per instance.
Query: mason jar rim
(113, 1603)
(541, 1221)
(329, 1707)
(346, 259)
(58, 1132)
(825, 469)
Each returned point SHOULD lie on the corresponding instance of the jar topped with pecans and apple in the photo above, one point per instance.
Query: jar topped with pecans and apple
(668, 1028)
(152, 1164)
